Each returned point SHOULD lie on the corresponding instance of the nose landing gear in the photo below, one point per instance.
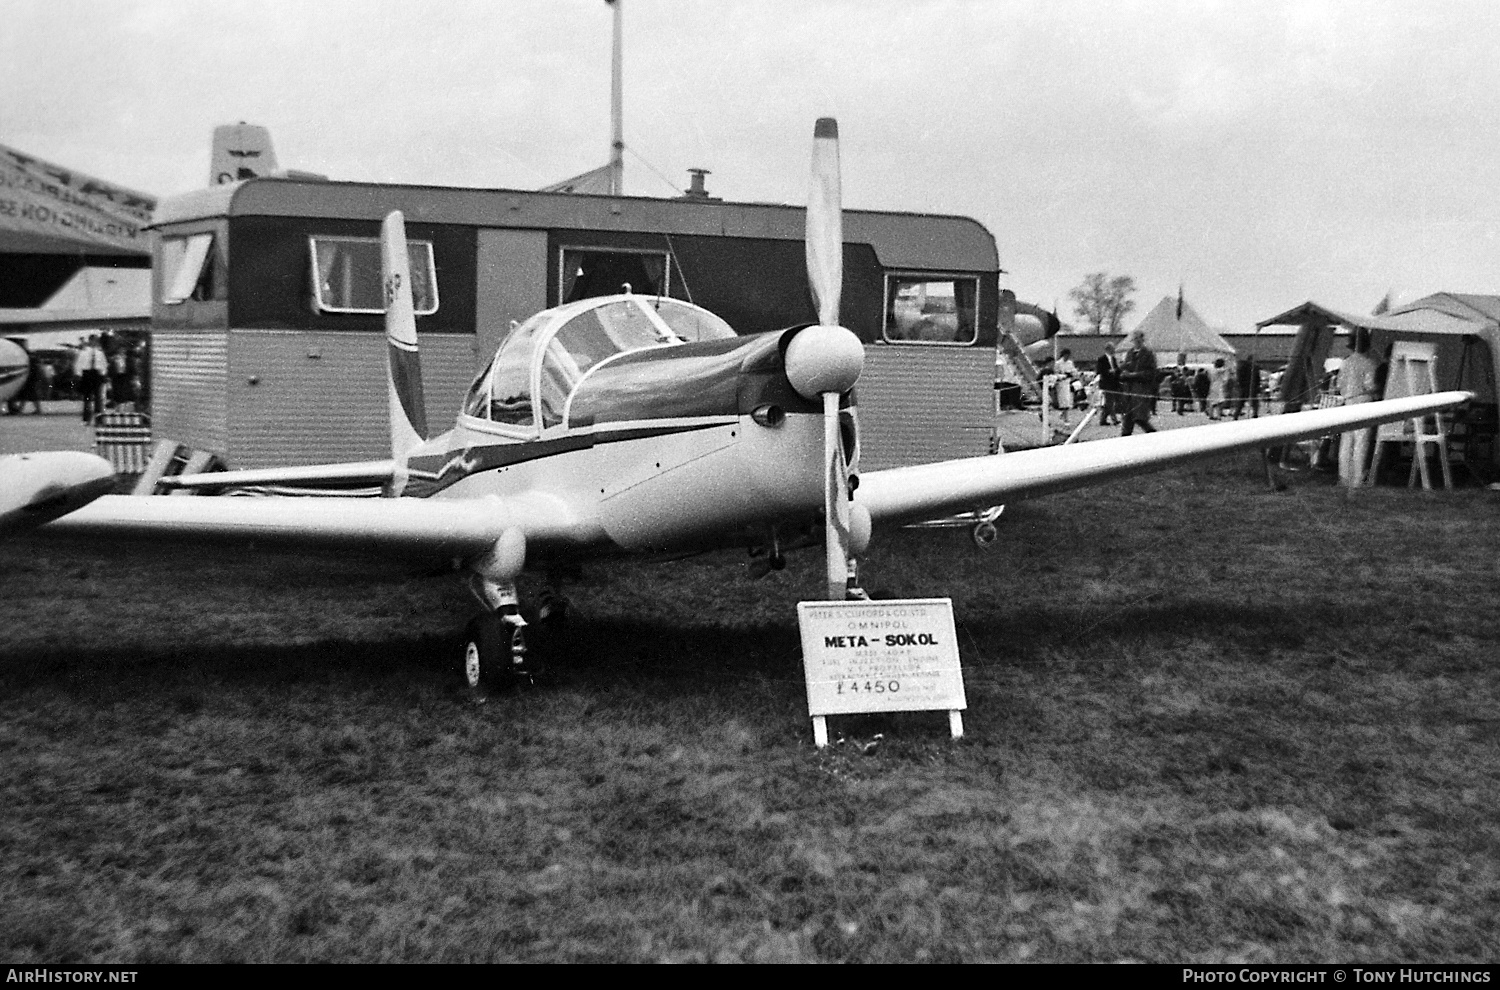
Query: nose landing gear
(494, 654)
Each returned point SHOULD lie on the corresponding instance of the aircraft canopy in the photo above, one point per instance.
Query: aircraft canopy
(542, 361)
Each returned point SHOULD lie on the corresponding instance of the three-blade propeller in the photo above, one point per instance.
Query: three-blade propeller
(827, 359)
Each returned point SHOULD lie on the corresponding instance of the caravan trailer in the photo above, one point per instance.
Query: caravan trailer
(266, 309)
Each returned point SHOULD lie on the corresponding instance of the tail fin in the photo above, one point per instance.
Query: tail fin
(408, 409)
(241, 151)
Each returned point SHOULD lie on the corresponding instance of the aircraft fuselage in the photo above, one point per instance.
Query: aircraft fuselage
(666, 450)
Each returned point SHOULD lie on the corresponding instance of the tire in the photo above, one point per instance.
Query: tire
(485, 660)
(985, 535)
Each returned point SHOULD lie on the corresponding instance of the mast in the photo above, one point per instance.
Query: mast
(616, 111)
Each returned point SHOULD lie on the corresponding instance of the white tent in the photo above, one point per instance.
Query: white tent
(1173, 328)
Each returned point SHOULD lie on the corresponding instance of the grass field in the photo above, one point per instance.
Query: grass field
(1207, 722)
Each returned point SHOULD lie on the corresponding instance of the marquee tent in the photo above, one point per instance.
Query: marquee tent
(1173, 327)
(1464, 328)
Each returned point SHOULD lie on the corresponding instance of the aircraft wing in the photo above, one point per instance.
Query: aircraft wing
(927, 490)
(401, 527)
(352, 473)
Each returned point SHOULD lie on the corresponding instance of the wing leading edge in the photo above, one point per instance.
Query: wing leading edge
(402, 527)
(352, 473)
(927, 490)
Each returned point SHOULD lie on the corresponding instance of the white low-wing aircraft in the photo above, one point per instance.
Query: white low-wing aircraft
(637, 424)
(15, 367)
(38, 488)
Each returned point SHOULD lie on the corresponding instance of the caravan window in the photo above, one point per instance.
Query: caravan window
(187, 268)
(346, 275)
(589, 272)
(922, 309)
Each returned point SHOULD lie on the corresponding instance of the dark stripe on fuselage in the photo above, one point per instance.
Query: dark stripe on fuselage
(455, 467)
(406, 375)
(709, 378)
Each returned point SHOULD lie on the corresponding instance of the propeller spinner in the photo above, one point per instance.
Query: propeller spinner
(826, 360)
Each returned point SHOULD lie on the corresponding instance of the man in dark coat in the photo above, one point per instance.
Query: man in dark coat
(1138, 382)
(1247, 377)
(1108, 368)
(1182, 390)
(1200, 389)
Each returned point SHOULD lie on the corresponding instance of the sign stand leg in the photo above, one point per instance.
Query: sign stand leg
(956, 723)
(820, 731)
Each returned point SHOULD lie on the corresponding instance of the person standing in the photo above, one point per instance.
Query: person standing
(1108, 369)
(38, 383)
(1182, 390)
(1247, 381)
(1218, 378)
(88, 371)
(1066, 371)
(1138, 384)
(119, 377)
(1358, 382)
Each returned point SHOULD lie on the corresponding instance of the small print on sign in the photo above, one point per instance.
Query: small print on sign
(887, 656)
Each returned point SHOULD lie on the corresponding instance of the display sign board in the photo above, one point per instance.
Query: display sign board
(880, 656)
(1412, 371)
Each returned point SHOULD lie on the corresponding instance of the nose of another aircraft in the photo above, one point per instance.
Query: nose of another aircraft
(39, 487)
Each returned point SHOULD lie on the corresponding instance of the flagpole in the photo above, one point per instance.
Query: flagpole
(616, 109)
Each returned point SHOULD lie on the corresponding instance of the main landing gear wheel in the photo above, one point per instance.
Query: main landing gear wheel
(985, 532)
(494, 654)
(552, 612)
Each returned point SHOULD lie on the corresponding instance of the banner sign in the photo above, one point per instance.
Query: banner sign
(880, 656)
(47, 208)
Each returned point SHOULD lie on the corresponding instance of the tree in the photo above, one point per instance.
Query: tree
(1102, 302)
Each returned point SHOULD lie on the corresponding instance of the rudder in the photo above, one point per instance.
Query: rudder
(240, 151)
(408, 408)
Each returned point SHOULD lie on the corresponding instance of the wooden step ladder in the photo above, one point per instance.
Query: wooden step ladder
(1428, 431)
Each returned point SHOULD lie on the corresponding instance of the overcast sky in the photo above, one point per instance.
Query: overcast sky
(1259, 153)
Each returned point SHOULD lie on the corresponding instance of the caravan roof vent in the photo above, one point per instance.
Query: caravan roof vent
(696, 188)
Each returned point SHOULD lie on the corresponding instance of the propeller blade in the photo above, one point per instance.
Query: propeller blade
(835, 501)
(826, 359)
(825, 223)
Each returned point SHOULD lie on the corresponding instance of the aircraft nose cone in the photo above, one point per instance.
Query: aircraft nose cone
(36, 488)
(57, 468)
(823, 359)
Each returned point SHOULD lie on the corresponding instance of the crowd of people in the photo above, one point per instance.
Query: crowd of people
(1127, 387)
(105, 371)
